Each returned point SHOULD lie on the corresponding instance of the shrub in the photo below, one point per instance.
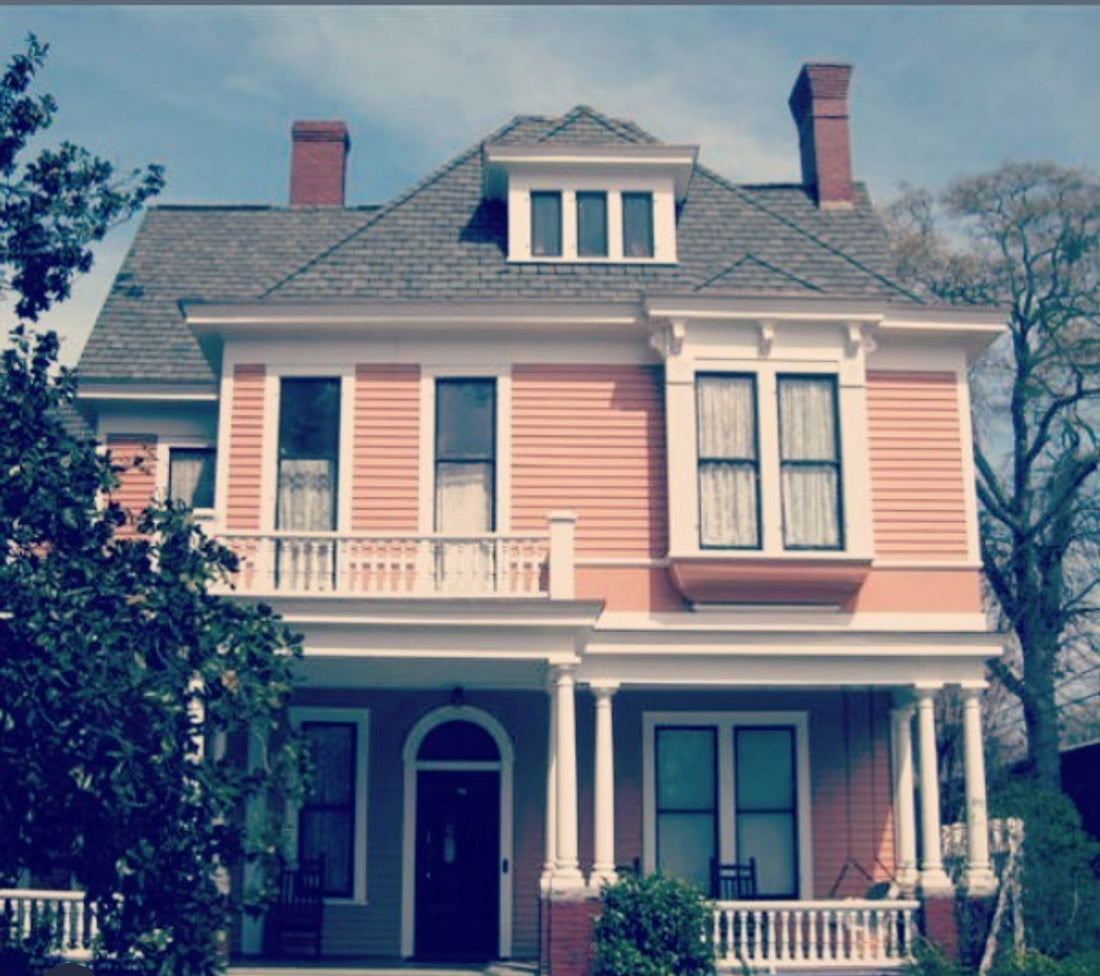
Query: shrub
(1061, 890)
(1031, 963)
(653, 926)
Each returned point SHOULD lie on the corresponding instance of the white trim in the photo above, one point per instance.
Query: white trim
(147, 394)
(725, 722)
(429, 374)
(969, 471)
(360, 718)
(225, 446)
(463, 713)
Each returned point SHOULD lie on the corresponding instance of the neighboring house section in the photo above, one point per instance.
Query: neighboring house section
(627, 513)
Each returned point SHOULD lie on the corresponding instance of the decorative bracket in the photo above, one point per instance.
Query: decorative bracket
(855, 338)
(767, 337)
(668, 338)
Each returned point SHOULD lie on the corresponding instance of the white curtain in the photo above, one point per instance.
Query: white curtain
(727, 452)
(807, 423)
(186, 470)
(464, 506)
(306, 495)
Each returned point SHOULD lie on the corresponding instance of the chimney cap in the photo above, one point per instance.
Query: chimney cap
(320, 130)
(818, 81)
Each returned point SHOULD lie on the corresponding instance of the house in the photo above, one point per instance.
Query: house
(628, 514)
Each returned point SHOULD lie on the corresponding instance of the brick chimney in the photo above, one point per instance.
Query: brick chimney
(819, 104)
(318, 163)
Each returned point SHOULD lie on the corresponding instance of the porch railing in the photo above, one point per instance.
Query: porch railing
(63, 919)
(390, 565)
(771, 936)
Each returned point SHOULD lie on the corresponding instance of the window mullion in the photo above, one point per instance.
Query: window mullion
(727, 796)
(771, 512)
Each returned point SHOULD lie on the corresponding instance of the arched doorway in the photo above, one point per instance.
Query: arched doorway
(457, 874)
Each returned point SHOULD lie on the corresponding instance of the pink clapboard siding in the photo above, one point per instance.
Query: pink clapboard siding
(246, 439)
(135, 459)
(592, 439)
(917, 485)
(387, 437)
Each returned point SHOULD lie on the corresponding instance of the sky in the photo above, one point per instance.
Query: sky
(210, 92)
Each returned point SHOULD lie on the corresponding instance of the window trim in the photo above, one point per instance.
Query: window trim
(727, 799)
(429, 374)
(164, 449)
(549, 194)
(700, 460)
(360, 718)
(837, 464)
(651, 238)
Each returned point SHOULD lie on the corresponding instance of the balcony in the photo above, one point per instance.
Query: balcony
(832, 935)
(374, 565)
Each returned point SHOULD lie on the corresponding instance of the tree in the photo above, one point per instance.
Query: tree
(1026, 238)
(128, 686)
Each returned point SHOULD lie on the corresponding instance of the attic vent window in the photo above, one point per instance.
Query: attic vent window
(546, 225)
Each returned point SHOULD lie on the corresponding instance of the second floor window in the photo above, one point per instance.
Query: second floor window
(592, 225)
(191, 476)
(465, 456)
(546, 224)
(309, 438)
(637, 225)
(729, 490)
(809, 460)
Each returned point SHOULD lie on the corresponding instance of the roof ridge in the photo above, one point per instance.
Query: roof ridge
(775, 269)
(398, 201)
(707, 172)
(612, 125)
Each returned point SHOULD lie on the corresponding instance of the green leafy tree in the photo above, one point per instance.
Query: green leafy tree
(1026, 237)
(128, 685)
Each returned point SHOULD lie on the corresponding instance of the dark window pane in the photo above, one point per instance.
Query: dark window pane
(329, 834)
(765, 769)
(685, 769)
(685, 846)
(592, 225)
(638, 225)
(191, 476)
(332, 748)
(770, 838)
(309, 418)
(546, 225)
(464, 419)
(459, 740)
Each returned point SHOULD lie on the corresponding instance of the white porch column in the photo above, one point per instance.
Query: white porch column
(904, 800)
(567, 872)
(932, 876)
(603, 866)
(550, 858)
(979, 875)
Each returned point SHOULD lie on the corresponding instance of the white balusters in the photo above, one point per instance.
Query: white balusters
(60, 914)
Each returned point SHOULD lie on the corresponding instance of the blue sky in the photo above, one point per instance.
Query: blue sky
(211, 91)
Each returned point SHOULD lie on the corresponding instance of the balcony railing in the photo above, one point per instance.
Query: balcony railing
(771, 936)
(389, 565)
(63, 919)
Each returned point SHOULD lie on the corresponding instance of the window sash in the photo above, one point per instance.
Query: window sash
(339, 876)
(774, 879)
(191, 475)
(728, 461)
(670, 820)
(308, 472)
(458, 508)
(546, 224)
(591, 224)
(809, 461)
(637, 225)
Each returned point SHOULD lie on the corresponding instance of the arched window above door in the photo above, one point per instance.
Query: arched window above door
(458, 740)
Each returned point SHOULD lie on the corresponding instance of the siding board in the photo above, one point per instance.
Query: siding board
(246, 443)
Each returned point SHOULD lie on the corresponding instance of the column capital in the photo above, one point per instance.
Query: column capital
(903, 713)
(603, 690)
(556, 673)
(926, 693)
(972, 693)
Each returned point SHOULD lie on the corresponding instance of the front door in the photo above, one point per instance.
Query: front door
(457, 864)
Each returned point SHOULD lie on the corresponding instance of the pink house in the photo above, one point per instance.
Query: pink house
(627, 512)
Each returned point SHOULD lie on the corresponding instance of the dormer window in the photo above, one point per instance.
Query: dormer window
(613, 204)
(638, 225)
(591, 225)
(546, 224)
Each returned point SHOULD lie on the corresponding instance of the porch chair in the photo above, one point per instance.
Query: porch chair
(298, 912)
(732, 882)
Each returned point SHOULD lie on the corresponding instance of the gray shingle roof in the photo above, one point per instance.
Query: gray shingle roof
(443, 240)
